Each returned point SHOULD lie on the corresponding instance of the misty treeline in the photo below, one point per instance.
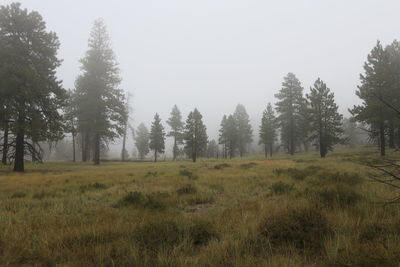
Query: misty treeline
(37, 113)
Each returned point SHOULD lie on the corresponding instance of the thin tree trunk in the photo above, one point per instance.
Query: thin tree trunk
(73, 148)
(266, 150)
(391, 135)
(97, 149)
(382, 138)
(19, 152)
(5, 145)
(155, 155)
(271, 145)
(124, 144)
(175, 148)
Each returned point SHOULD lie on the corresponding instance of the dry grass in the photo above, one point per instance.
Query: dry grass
(300, 211)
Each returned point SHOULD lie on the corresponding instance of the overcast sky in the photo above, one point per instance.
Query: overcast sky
(214, 54)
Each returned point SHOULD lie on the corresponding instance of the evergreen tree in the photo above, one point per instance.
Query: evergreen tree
(325, 121)
(290, 109)
(142, 140)
(100, 102)
(374, 89)
(268, 129)
(212, 149)
(222, 140)
(157, 137)
(244, 131)
(176, 124)
(195, 135)
(71, 120)
(31, 92)
(231, 135)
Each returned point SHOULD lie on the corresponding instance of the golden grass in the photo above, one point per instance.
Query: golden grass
(185, 214)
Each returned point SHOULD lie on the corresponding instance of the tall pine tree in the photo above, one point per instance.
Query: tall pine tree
(325, 120)
(374, 91)
(142, 140)
(268, 129)
(195, 135)
(157, 137)
(100, 102)
(32, 94)
(290, 107)
(244, 131)
(176, 124)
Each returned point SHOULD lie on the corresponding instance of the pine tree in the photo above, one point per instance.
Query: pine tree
(195, 135)
(142, 140)
(28, 84)
(176, 124)
(222, 140)
(290, 109)
(325, 121)
(100, 102)
(231, 135)
(244, 131)
(374, 91)
(268, 129)
(157, 137)
(212, 149)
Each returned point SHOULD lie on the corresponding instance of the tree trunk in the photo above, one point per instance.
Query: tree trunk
(155, 155)
(73, 148)
(19, 152)
(175, 148)
(271, 145)
(124, 144)
(84, 147)
(382, 138)
(194, 156)
(266, 150)
(391, 136)
(5, 145)
(96, 158)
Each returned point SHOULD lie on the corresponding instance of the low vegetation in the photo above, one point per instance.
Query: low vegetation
(290, 211)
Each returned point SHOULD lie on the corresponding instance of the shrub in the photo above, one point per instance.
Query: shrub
(187, 189)
(298, 174)
(149, 173)
(247, 165)
(222, 166)
(18, 194)
(280, 188)
(303, 227)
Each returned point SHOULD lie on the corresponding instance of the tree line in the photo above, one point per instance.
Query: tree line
(36, 109)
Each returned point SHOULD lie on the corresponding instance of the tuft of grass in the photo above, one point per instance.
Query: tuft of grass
(18, 194)
(222, 166)
(138, 200)
(338, 177)
(280, 188)
(248, 165)
(200, 200)
(298, 174)
(338, 196)
(186, 190)
(303, 227)
(43, 194)
(93, 186)
(190, 175)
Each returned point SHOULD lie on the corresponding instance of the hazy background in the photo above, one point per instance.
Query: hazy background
(215, 54)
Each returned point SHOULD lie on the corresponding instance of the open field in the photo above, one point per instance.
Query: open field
(300, 211)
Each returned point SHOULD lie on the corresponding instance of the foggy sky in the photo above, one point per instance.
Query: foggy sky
(215, 54)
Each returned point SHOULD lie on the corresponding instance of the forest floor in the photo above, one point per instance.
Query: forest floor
(284, 211)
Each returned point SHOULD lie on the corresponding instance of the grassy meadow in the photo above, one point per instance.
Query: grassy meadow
(285, 211)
